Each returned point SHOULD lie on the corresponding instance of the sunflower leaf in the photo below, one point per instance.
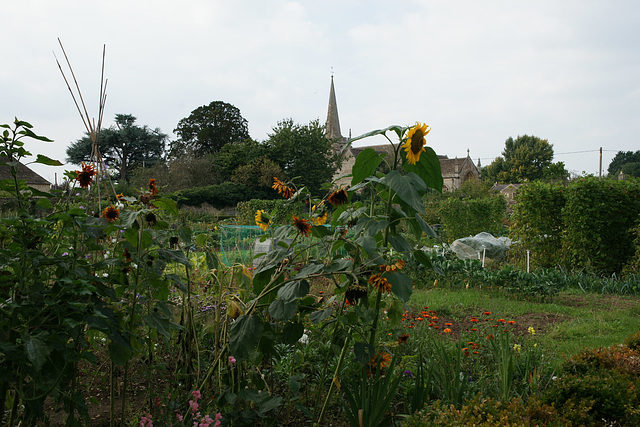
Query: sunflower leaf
(401, 285)
(410, 188)
(366, 164)
(427, 168)
(396, 128)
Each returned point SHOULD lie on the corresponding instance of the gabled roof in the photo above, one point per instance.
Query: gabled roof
(24, 173)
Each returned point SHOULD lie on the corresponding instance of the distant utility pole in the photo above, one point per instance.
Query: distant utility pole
(600, 173)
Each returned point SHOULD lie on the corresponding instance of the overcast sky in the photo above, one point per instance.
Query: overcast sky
(477, 72)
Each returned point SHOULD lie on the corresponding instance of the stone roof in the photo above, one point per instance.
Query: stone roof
(24, 173)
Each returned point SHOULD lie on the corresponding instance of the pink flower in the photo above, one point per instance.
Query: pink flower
(146, 421)
(179, 417)
(196, 394)
(232, 360)
(194, 406)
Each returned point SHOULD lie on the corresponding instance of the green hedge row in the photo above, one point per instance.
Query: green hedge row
(588, 224)
(221, 195)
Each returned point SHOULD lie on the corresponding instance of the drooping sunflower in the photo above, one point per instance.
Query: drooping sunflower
(338, 197)
(283, 189)
(392, 267)
(379, 282)
(85, 176)
(152, 186)
(262, 219)
(414, 145)
(355, 293)
(111, 213)
(120, 197)
(402, 339)
(302, 225)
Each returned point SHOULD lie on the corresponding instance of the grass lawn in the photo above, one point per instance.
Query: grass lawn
(572, 321)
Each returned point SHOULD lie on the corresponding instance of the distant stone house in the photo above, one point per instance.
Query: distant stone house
(26, 174)
(508, 191)
(454, 171)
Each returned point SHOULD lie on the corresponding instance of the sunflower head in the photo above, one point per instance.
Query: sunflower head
(283, 189)
(85, 176)
(380, 361)
(414, 145)
(262, 219)
(338, 197)
(111, 213)
(320, 219)
(302, 225)
(380, 283)
(152, 186)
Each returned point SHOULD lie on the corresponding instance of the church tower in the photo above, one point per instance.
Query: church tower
(333, 122)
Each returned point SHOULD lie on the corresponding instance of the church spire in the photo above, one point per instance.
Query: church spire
(333, 122)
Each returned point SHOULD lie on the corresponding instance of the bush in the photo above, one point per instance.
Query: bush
(604, 380)
(482, 412)
(219, 196)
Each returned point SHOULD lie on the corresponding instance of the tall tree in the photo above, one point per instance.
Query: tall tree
(626, 161)
(526, 158)
(208, 128)
(124, 146)
(303, 152)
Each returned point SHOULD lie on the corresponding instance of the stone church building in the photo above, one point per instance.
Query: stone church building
(454, 171)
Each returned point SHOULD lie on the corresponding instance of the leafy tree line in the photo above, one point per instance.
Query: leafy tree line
(213, 148)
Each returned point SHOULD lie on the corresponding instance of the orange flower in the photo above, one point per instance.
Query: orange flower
(490, 336)
(392, 267)
(338, 197)
(447, 331)
(473, 319)
(120, 196)
(487, 313)
(85, 176)
(152, 186)
(380, 360)
(302, 225)
(283, 189)
(111, 213)
(402, 339)
(448, 324)
(379, 282)
(511, 322)
(501, 320)
(473, 330)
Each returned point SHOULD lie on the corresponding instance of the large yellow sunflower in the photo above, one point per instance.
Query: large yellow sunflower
(262, 220)
(414, 145)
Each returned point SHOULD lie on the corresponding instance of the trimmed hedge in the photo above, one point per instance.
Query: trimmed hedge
(221, 195)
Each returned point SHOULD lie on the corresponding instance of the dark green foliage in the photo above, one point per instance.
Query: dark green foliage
(606, 381)
(526, 158)
(468, 217)
(488, 412)
(279, 209)
(599, 216)
(303, 152)
(589, 224)
(124, 146)
(626, 161)
(208, 128)
(537, 223)
(221, 195)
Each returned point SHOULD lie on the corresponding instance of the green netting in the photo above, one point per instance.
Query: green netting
(236, 243)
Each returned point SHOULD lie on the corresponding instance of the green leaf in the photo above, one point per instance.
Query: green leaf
(365, 165)
(409, 188)
(395, 312)
(47, 161)
(37, 349)
(167, 204)
(280, 309)
(309, 269)
(120, 352)
(368, 243)
(427, 168)
(426, 227)
(399, 243)
(401, 285)
(44, 204)
(244, 335)
(293, 290)
(320, 315)
(127, 218)
(422, 258)
(399, 130)
(292, 332)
